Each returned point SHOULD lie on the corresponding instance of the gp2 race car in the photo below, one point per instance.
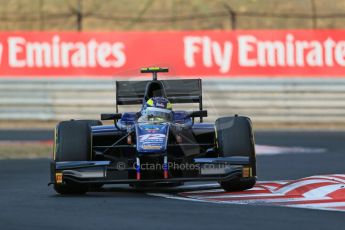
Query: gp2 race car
(154, 151)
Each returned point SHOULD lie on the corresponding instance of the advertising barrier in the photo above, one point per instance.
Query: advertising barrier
(187, 53)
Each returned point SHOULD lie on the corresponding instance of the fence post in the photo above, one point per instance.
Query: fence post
(232, 15)
(41, 14)
(314, 13)
(79, 15)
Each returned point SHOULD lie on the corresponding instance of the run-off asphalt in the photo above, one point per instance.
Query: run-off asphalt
(28, 203)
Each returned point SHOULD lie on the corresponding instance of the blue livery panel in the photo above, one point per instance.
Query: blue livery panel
(152, 138)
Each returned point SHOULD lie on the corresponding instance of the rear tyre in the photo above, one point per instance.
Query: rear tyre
(235, 138)
(73, 143)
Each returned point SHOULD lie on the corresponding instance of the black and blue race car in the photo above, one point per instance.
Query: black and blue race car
(155, 146)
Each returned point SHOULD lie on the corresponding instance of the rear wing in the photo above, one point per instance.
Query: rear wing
(177, 91)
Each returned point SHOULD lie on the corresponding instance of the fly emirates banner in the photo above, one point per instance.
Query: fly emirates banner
(187, 53)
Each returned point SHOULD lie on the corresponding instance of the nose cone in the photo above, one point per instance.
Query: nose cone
(152, 138)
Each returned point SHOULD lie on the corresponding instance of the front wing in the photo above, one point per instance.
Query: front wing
(104, 172)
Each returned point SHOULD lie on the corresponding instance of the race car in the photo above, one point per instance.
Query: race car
(156, 145)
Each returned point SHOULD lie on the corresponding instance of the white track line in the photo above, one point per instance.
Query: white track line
(199, 186)
(276, 150)
(205, 191)
(331, 178)
(236, 196)
(317, 208)
(320, 205)
(222, 190)
(323, 191)
(287, 200)
(298, 184)
(168, 196)
(280, 201)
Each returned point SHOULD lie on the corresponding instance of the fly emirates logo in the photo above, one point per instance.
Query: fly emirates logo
(252, 52)
(56, 53)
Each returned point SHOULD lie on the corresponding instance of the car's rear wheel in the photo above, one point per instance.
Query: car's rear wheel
(235, 138)
(73, 143)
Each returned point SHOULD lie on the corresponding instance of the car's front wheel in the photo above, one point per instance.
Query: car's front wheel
(235, 138)
(73, 143)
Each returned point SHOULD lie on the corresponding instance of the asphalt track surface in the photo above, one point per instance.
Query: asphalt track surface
(27, 202)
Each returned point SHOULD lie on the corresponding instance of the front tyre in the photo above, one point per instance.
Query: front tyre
(73, 143)
(238, 184)
(70, 189)
(235, 138)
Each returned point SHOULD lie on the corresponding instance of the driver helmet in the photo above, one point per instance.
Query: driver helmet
(158, 109)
